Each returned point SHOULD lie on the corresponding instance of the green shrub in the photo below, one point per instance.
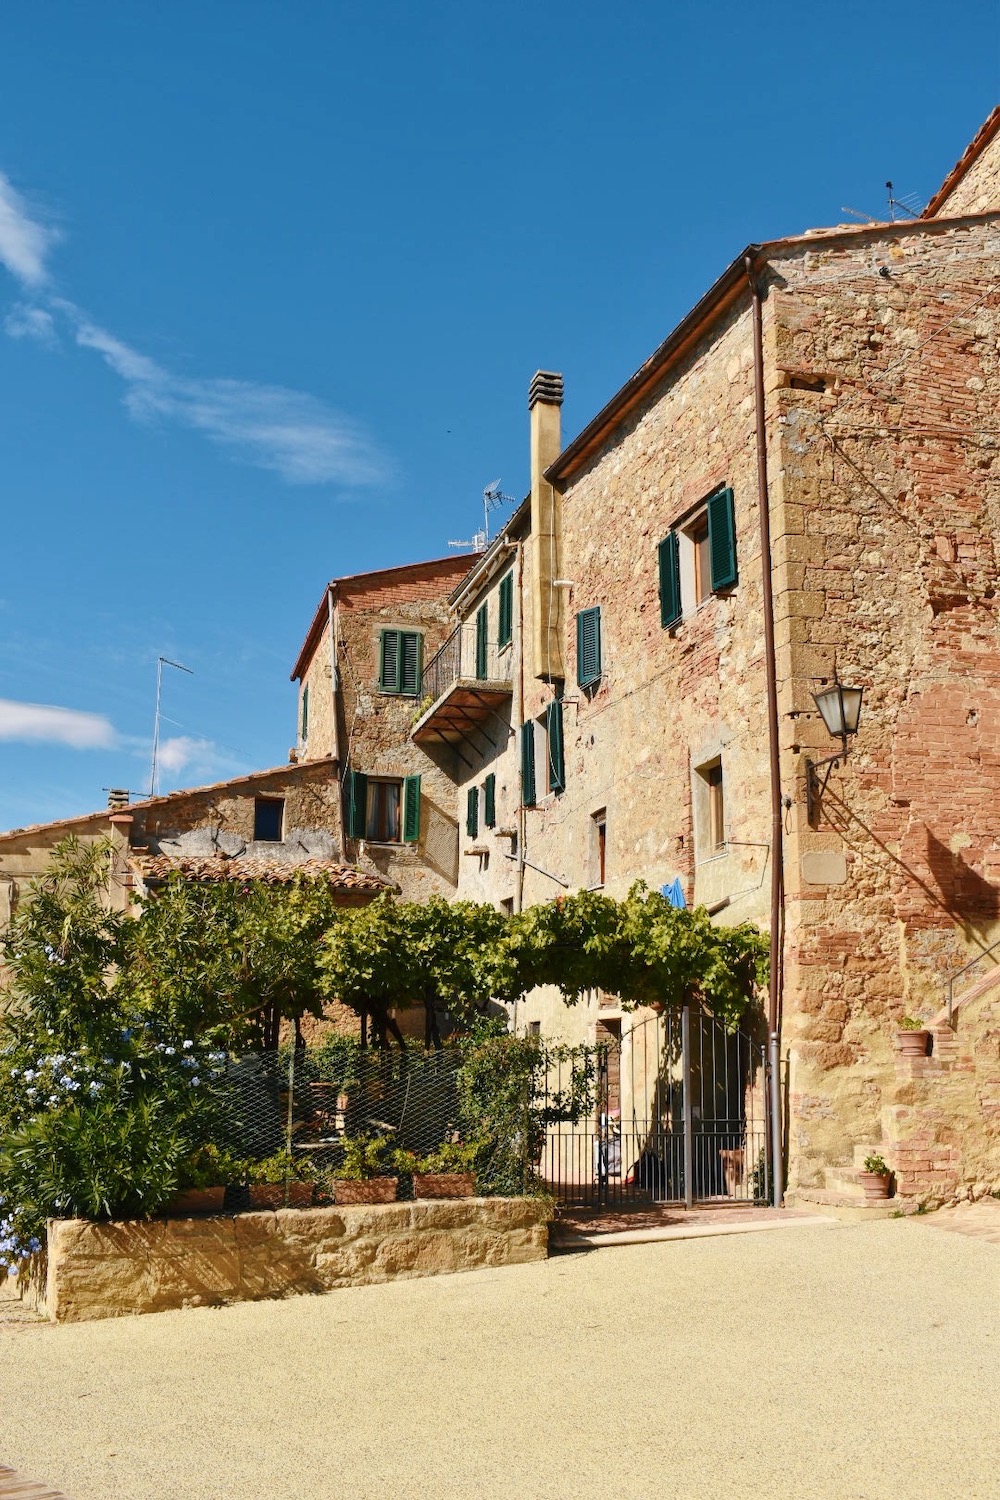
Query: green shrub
(366, 1156)
(877, 1165)
(911, 1023)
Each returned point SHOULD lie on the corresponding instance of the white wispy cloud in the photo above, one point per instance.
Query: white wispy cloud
(27, 322)
(33, 722)
(184, 751)
(288, 432)
(25, 240)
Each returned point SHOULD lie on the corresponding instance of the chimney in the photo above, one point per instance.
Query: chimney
(545, 395)
(118, 797)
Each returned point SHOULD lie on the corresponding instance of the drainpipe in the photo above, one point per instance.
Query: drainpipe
(770, 668)
(521, 820)
(331, 625)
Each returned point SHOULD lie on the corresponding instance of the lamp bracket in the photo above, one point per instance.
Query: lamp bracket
(815, 786)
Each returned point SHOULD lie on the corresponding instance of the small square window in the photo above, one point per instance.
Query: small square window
(534, 1028)
(268, 818)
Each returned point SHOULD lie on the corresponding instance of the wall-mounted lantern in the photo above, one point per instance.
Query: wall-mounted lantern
(840, 708)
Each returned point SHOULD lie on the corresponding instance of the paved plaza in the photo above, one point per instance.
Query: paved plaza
(855, 1362)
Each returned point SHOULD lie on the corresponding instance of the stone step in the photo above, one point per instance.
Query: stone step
(842, 1206)
(14, 1486)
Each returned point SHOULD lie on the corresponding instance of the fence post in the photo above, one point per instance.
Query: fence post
(686, 1107)
(291, 1107)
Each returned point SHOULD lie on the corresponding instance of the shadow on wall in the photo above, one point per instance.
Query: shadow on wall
(963, 890)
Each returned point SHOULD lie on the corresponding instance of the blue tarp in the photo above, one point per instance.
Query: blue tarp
(674, 893)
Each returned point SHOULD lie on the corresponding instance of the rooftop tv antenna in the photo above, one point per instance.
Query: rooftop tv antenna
(906, 207)
(161, 662)
(493, 498)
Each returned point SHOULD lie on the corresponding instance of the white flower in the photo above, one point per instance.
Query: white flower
(195, 1082)
(189, 1044)
(170, 1051)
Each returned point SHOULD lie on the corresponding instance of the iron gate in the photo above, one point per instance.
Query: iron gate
(675, 1111)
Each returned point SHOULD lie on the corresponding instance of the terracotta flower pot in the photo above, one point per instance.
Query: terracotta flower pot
(195, 1201)
(272, 1194)
(912, 1043)
(875, 1184)
(369, 1190)
(443, 1185)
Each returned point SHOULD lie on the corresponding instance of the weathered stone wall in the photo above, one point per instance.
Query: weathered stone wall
(886, 516)
(114, 1270)
(978, 188)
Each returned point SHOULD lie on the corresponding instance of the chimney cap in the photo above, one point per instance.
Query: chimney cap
(547, 386)
(118, 797)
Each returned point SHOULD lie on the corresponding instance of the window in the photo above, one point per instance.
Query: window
(554, 741)
(528, 764)
(588, 647)
(304, 734)
(507, 906)
(472, 812)
(373, 807)
(400, 662)
(698, 559)
(599, 846)
(534, 1028)
(710, 810)
(268, 817)
(490, 801)
(505, 619)
(482, 642)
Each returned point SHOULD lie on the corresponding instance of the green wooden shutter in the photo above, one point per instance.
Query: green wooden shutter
(490, 801)
(554, 735)
(472, 812)
(411, 809)
(722, 539)
(670, 581)
(388, 676)
(482, 641)
(588, 647)
(410, 662)
(528, 764)
(505, 627)
(305, 713)
(355, 803)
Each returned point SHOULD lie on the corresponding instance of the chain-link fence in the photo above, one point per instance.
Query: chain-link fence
(311, 1114)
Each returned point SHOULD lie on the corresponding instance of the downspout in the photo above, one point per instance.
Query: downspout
(331, 623)
(771, 672)
(521, 821)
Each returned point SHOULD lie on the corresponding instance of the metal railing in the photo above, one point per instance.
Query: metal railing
(958, 974)
(464, 658)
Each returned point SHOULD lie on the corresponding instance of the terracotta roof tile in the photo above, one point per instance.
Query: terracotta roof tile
(155, 867)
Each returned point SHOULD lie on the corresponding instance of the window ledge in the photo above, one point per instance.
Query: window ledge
(711, 859)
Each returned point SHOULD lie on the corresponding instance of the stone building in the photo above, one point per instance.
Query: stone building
(359, 673)
(633, 693)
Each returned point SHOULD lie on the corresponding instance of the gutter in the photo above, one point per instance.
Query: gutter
(773, 744)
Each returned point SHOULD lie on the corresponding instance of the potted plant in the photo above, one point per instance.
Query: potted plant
(364, 1173)
(444, 1173)
(282, 1181)
(202, 1181)
(875, 1179)
(912, 1037)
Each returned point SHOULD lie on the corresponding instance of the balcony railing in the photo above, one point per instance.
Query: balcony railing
(465, 658)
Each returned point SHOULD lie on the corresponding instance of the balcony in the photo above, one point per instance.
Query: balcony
(468, 684)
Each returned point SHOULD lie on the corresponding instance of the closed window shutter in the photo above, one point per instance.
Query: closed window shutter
(410, 662)
(670, 581)
(490, 801)
(388, 677)
(305, 713)
(722, 539)
(588, 647)
(505, 628)
(355, 803)
(472, 812)
(482, 641)
(554, 735)
(411, 809)
(528, 764)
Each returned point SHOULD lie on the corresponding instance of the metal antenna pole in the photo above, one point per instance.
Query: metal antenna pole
(161, 662)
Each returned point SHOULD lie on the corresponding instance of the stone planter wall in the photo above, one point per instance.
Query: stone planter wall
(112, 1270)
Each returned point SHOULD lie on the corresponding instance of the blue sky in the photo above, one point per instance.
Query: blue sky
(275, 277)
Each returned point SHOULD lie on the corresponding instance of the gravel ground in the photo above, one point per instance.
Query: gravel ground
(856, 1362)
